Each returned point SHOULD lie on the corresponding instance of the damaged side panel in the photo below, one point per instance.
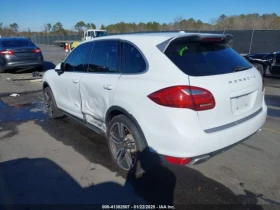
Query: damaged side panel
(96, 98)
(93, 117)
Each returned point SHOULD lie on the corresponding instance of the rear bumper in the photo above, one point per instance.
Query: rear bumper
(22, 64)
(177, 133)
(202, 158)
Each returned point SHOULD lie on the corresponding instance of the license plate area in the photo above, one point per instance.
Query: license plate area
(241, 104)
(25, 54)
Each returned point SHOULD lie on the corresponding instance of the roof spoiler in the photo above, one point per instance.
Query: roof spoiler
(195, 38)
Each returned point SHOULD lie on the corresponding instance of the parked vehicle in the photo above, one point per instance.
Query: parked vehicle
(89, 34)
(93, 33)
(266, 63)
(180, 97)
(19, 53)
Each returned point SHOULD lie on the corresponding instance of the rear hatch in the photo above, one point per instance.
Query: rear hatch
(235, 85)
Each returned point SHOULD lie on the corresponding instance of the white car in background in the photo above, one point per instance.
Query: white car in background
(181, 96)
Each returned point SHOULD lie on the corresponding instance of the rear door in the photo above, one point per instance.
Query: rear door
(99, 84)
(234, 83)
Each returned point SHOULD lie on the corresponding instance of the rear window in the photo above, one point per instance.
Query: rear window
(16, 43)
(206, 58)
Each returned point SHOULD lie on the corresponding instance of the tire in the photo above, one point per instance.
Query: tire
(50, 104)
(260, 68)
(131, 155)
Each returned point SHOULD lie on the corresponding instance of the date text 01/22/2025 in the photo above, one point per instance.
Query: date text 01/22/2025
(138, 207)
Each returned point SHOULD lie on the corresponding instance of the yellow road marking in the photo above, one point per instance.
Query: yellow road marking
(271, 130)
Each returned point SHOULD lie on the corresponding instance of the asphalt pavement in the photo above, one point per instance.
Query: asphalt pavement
(45, 161)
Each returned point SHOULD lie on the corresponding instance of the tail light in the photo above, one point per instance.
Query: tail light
(262, 84)
(37, 50)
(7, 52)
(175, 160)
(189, 97)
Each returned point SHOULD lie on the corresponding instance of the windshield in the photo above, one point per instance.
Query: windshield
(101, 33)
(206, 58)
(90, 33)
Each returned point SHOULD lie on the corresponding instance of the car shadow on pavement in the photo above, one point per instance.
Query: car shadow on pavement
(163, 184)
(272, 100)
(273, 103)
(48, 65)
(42, 181)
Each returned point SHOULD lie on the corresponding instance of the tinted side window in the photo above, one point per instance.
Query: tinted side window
(105, 57)
(133, 62)
(77, 59)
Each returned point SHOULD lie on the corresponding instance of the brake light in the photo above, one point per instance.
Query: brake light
(175, 160)
(212, 39)
(189, 97)
(37, 50)
(7, 52)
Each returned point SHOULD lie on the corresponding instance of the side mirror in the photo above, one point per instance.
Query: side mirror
(59, 68)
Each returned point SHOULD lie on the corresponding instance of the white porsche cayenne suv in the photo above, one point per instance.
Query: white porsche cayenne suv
(182, 97)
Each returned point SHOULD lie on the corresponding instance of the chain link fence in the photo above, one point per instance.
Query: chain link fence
(244, 41)
(49, 40)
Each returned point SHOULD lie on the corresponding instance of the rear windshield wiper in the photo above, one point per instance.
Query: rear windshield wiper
(240, 68)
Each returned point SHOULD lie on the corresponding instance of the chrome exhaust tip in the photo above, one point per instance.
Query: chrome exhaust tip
(200, 159)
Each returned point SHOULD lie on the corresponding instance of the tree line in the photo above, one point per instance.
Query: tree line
(223, 22)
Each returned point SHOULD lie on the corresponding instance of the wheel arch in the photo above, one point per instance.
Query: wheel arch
(45, 84)
(117, 110)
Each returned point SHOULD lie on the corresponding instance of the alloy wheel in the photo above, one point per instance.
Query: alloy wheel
(122, 145)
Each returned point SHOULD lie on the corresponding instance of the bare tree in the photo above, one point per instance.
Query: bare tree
(49, 27)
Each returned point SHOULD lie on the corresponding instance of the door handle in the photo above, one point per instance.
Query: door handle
(108, 87)
(75, 81)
